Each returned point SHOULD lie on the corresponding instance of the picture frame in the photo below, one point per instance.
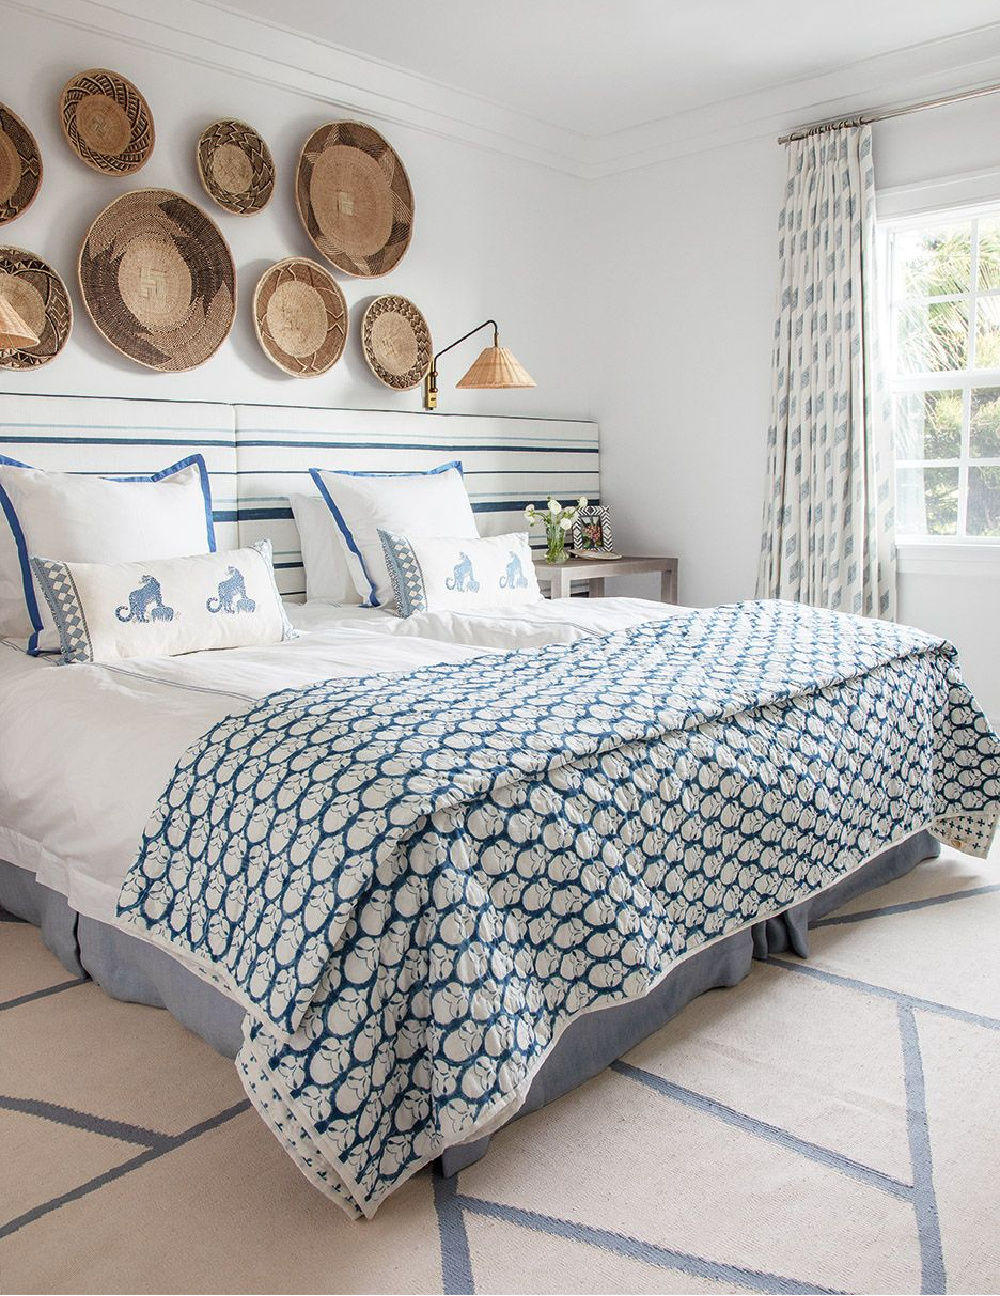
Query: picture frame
(592, 533)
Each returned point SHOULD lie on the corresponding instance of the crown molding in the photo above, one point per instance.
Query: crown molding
(213, 35)
(947, 66)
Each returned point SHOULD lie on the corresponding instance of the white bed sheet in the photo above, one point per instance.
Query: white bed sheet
(86, 750)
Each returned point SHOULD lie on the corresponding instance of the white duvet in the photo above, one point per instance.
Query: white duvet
(86, 750)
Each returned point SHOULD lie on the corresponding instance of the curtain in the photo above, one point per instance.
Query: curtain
(828, 513)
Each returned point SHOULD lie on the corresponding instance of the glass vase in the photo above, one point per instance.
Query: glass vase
(555, 551)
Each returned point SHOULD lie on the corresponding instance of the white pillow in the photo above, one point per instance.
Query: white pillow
(411, 504)
(327, 577)
(75, 518)
(164, 607)
(444, 574)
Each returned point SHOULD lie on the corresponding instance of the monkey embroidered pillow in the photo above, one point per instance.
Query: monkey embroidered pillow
(165, 607)
(79, 518)
(457, 573)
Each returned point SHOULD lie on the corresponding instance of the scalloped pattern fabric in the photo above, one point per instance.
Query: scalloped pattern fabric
(414, 883)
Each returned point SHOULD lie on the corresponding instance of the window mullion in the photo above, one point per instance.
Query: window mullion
(963, 465)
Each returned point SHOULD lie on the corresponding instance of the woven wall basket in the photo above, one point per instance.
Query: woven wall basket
(20, 166)
(300, 316)
(39, 297)
(158, 280)
(354, 198)
(106, 121)
(396, 342)
(236, 167)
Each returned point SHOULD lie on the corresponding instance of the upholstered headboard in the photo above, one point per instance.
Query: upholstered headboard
(259, 455)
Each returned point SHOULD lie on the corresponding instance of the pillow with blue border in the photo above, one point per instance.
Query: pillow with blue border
(76, 517)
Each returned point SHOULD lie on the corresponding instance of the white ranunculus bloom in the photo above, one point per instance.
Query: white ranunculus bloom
(554, 507)
(566, 523)
(584, 501)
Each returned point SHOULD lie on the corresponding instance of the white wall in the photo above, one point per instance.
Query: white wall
(485, 241)
(688, 273)
(682, 390)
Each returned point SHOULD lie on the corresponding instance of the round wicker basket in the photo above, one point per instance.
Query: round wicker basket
(20, 166)
(158, 280)
(236, 167)
(354, 198)
(396, 342)
(300, 315)
(106, 122)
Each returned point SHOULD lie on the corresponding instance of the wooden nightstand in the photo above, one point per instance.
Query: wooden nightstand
(594, 571)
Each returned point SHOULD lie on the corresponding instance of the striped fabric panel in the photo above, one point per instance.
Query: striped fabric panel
(508, 463)
(121, 438)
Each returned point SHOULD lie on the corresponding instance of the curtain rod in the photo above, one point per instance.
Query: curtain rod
(881, 114)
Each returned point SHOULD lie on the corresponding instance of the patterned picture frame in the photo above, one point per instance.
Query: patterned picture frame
(592, 531)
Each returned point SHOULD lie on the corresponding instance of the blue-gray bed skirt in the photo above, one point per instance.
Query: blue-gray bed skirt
(128, 968)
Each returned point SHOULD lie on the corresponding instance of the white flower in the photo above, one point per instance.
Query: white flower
(584, 501)
(555, 507)
(566, 523)
(529, 513)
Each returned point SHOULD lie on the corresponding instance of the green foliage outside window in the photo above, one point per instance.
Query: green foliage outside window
(933, 337)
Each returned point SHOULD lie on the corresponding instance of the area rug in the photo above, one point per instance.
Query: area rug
(830, 1125)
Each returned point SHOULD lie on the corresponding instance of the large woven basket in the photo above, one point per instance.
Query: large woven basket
(158, 280)
(236, 167)
(20, 166)
(40, 299)
(106, 122)
(300, 316)
(354, 198)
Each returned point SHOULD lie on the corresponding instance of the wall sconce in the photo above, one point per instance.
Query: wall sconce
(14, 333)
(495, 368)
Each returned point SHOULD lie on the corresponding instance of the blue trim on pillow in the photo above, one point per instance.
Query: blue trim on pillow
(420, 472)
(206, 489)
(369, 601)
(21, 545)
(338, 517)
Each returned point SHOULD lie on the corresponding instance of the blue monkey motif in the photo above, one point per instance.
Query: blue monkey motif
(514, 577)
(148, 598)
(463, 580)
(232, 595)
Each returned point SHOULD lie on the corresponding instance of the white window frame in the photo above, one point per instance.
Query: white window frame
(911, 547)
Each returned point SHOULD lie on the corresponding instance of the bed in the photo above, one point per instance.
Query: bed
(743, 698)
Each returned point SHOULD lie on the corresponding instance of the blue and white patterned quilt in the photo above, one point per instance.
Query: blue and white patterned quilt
(415, 882)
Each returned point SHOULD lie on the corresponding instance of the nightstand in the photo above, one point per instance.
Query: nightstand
(594, 571)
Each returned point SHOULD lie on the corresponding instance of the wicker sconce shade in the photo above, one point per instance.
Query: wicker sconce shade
(14, 333)
(495, 369)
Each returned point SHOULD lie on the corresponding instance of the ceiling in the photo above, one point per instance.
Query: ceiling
(599, 66)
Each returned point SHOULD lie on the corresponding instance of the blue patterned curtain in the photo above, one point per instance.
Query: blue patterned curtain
(828, 513)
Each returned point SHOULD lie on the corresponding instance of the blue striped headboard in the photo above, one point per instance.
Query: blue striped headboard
(508, 463)
(258, 455)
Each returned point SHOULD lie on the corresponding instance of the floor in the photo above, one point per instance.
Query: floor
(825, 1126)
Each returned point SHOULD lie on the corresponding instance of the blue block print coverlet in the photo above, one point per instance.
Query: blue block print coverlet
(415, 882)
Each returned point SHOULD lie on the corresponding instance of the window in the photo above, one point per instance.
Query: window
(944, 359)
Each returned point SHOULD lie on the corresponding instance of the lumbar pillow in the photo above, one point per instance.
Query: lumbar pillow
(77, 518)
(435, 574)
(328, 578)
(411, 504)
(107, 611)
